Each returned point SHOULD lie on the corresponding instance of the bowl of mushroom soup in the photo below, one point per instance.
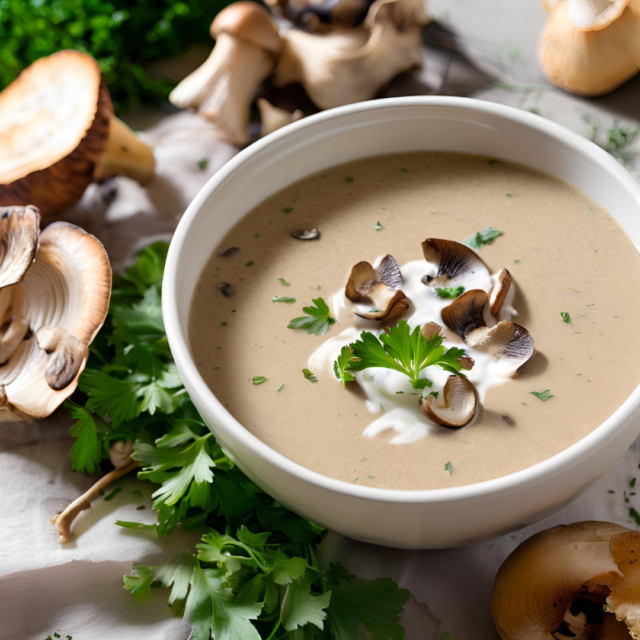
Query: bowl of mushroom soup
(397, 317)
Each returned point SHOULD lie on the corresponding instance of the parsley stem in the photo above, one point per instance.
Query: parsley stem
(275, 628)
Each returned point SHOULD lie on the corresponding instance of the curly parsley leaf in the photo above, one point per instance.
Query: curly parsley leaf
(87, 450)
(483, 238)
(300, 607)
(565, 317)
(342, 366)
(317, 321)
(542, 395)
(258, 380)
(309, 375)
(449, 292)
(404, 351)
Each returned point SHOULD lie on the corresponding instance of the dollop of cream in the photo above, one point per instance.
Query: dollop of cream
(390, 392)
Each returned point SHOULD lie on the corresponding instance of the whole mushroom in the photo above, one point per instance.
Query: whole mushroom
(51, 309)
(245, 53)
(58, 133)
(577, 581)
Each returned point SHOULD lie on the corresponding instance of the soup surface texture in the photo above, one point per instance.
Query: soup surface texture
(566, 256)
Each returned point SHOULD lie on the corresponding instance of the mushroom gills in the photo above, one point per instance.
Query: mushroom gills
(455, 405)
(379, 285)
(452, 262)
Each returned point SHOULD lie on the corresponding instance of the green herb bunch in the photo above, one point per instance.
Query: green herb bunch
(121, 35)
(255, 574)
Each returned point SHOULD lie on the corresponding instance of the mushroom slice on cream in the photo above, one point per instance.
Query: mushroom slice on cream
(430, 330)
(58, 133)
(64, 297)
(453, 261)
(542, 586)
(499, 291)
(223, 88)
(506, 341)
(306, 234)
(455, 405)
(379, 285)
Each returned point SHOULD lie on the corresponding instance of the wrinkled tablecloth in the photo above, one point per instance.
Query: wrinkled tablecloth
(483, 49)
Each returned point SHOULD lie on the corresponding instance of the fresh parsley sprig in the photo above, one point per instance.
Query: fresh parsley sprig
(401, 350)
(318, 319)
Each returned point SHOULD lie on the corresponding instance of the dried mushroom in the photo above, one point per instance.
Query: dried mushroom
(572, 581)
(499, 291)
(58, 133)
(273, 118)
(506, 341)
(223, 88)
(590, 47)
(451, 262)
(455, 405)
(379, 285)
(351, 65)
(50, 315)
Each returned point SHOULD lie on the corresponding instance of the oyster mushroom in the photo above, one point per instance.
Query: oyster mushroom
(222, 89)
(351, 65)
(51, 315)
(542, 586)
(319, 15)
(306, 234)
(272, 118)
(58, 133)
(451, 262)
(455, 405)
(499, 291)
(379, 285)
(590, 47)
(506, 341)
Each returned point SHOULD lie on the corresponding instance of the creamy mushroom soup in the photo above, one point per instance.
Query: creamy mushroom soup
(575, 292)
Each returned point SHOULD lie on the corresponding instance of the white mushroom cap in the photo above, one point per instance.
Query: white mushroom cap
(455, 405)
(19, 231)
(65, 297)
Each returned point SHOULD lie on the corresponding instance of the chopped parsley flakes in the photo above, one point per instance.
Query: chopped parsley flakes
(285, 299)
(258, 380)
(379, 226)
(448, 468)
(203, 164)
(542, 395)
(283, 282)
(449, 292)
(565, 317)
(309, 375)
(316, 321)
(286, 209)
(483, 238)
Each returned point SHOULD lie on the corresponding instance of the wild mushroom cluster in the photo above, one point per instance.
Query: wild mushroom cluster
(450, 264)
(340, 52)
(577, 581)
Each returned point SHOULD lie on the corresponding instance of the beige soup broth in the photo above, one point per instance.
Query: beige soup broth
(564, 252)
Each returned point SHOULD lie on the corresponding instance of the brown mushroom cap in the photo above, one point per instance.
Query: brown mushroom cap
(537, 584)
(455, 405)
(54, 124)
(251, 22)
(454, 260)
(499, 291)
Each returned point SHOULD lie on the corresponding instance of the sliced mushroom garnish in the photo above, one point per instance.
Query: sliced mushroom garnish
(455, 405)
(453, 261)
(306, 234)
(506, 340)
(58, 133)
(230, 252)
(19, 233)
(430, 330)
(499, 291)
(64, 296)
(379, 285)
(467, 362)
(226, 289)
(541, 587)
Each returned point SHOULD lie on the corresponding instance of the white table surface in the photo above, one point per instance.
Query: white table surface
(77, 589)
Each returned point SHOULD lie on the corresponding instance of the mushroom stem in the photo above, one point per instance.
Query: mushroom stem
(125, 155)
(64, 520)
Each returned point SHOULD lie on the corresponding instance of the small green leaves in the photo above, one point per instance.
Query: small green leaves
(317, 320)
(283, 282)
(448, 468)
(309, 375)
(483, 238)
(542, 395)
(350, 180)
(342, 366)
(281, 387)
(565, 317)
(286, 209)
(449, 292)
(258, 380)
(572, 289)
(379, 226)
(203, 164)
(250, 263)
(113, 494)
(285, 299)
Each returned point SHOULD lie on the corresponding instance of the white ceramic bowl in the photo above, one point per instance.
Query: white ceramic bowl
(414, 519)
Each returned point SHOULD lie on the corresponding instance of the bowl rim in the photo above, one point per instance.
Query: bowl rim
(178, 340)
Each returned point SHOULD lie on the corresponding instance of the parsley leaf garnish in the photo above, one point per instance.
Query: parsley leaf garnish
(483, 238)
(283, 282)
(448, 468)
(408, 352)
(285, 299)
(317, 319)
(449, 292)
(565, 317)
(342, 366)
(309, 375)
(542, 395)
(258, 380)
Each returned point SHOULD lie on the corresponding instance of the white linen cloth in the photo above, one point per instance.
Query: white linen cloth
(76, 589)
